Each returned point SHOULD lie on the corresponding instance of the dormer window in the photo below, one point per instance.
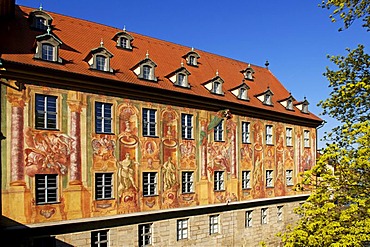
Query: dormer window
(123, 40)
(303, 106)
(99, 59)
(47, 47)
(192, 58)
(145, 69)
(39, 19)
(288, 103)
(241, 91)
(215, 85)
(180, 77)
(266, 97)
(248, 73)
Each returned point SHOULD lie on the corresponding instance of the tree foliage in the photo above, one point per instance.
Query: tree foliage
(337, 212)
(348, 11)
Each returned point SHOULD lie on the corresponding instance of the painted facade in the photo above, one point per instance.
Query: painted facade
(124, 143)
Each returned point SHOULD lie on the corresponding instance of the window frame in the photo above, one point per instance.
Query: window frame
(45, 53)
(149, 127)
(269, 178)
(264, 216)
(145, 234)
(279, 213)
(246, 180)
(187, 182)
(99, 58)
(218, 132)
(267, 99)
(182, 229)
(219, 181)
(214, 224)
(246, 133)
(248, 218)
(48, 116)
(103, 120)
(150, 188)
(104, 189)
(269, 134)
(289, 177)
(289, 137)
(306, 138)
(186, 129)
(99, 240)
(47, 187)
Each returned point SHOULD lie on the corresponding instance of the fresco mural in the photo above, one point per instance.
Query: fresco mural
(127, 154)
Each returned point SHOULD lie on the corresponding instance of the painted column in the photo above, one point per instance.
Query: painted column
(17, 139)
(75, 132)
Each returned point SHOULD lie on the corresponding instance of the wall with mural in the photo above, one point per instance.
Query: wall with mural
(76, 153)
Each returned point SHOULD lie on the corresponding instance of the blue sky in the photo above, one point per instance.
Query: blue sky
(294, 36)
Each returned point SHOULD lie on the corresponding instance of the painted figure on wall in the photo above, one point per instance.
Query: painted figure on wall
(126, 174)
(47, 152)
(169, 174)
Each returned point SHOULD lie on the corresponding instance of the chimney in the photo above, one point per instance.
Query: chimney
(7, 9)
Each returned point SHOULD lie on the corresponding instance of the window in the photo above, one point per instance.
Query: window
(214, 224)
(216, 87)
(246, 180)
(243, 93)
(219, 132)
(246, 132)
(269, 178)
(103, 186)
(145, 234)
(46, 111)
(147, 72)
(47, 52)
(99, 238)
(40, 23)
(288, 136)
(187, 182)
(289, 177)
(123, 42)
(181, 80)
(46, 188)
(149, 183)
(279, 213)
(103, 117)
(306, 138)
(219, 181)
(186, 126)
(192, 58)
(264, 216)
(149, 122)
(269, 135)
(182, 229)
(305, 108)
(101, 63)
(267, 100)
(248, 218)
(289, 104)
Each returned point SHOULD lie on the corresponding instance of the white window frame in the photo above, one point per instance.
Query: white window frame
(46, 186)
(289, 137)
(149, 122)
(249, 218)
(187, 126)
(219, 132)
(100, 238)
(246, 134)
(103, 186)
(49, 53)
(187, 182)
(268, 99)
(216, 87)
(219, 181)
(105, 119)
(269, 178)
(279, 213)
(264, 216)
(150, 182)
(269, 135)
(246, 180)
(99, 58)
(306, 138)
(289, 177)
(46, 111)
(214, 224)
(182, 229)
(145, 234)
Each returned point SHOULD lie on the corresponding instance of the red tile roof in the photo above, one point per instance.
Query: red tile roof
(79, 37)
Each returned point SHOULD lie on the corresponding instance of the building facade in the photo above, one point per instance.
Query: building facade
(119, 139)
